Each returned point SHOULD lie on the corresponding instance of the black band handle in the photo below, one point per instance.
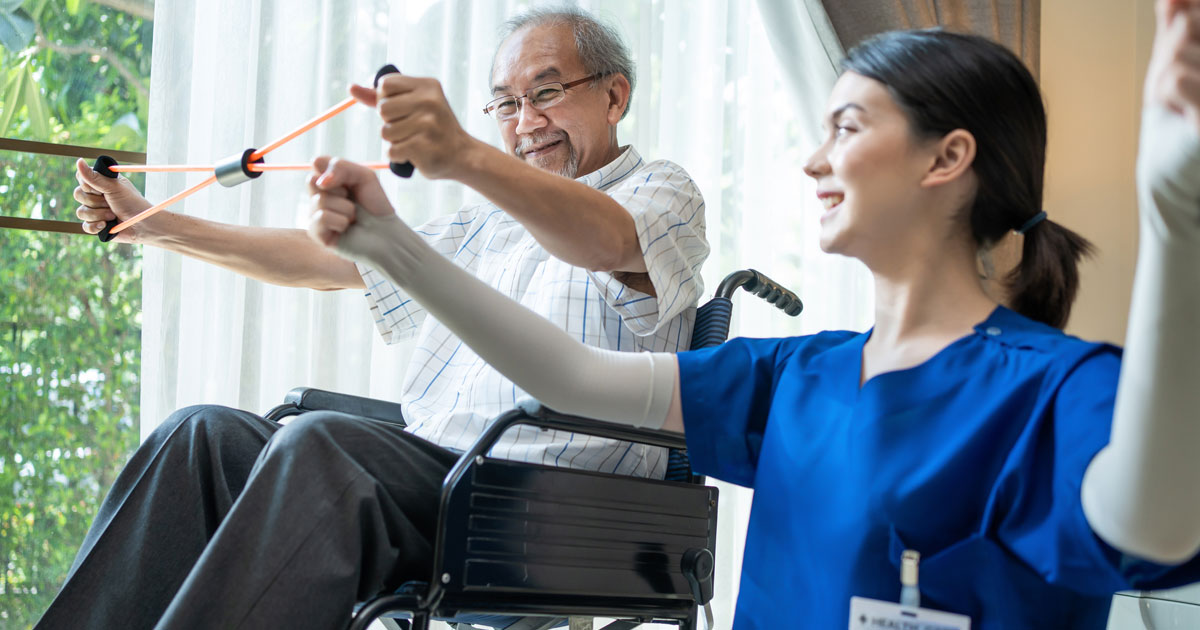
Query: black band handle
(102, 166)
(405, 169)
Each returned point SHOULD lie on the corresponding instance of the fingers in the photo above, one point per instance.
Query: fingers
(360, 184)
(320, 166)
(403, 148)
(365, 95)
(1185, 90)
(334, 173)
(95, 182)
(84, 213)
(93, 210)
(81, 168)
(417, 96)
(326, 227)
(1173, 79)
(89, 198)
(399, 108)
(396, 83)
(338, 189)
(93, 227)
(421, 128)
(1168, 10)
(332, 209)
(342, 206)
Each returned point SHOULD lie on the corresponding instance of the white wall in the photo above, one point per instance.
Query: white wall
(1093, 57)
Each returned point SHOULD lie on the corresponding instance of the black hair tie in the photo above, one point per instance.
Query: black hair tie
(1029, 225)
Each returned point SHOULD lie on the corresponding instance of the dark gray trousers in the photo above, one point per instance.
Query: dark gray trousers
(223, 520)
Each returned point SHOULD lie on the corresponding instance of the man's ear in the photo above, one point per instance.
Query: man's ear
(617, 92)
(954, 155)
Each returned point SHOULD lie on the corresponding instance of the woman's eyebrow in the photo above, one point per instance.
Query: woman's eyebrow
(835, 114)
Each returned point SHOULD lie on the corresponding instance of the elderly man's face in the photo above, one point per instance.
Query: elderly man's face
(573, 137)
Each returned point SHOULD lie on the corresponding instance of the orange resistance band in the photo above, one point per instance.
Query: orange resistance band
(262, 168)
(196, 168)
(334, 111)
(155, 209)
(179, 196)
(337, 109)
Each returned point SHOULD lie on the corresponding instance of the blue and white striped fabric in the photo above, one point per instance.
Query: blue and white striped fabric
(450, 395)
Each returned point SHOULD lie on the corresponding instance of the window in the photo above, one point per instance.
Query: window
(74, 82)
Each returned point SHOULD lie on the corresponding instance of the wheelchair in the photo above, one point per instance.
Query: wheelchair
(524, 546)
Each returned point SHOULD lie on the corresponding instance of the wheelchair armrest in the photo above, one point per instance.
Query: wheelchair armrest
(302, 399)
(533, 413)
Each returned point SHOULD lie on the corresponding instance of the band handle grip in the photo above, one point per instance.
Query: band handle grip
(103, 166)
(402, 169)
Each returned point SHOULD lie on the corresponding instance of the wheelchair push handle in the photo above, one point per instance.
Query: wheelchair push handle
(404, 169)
(759, 284)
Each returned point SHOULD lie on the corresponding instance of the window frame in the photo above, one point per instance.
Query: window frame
(62, 150)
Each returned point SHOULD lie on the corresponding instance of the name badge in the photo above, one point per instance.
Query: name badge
(873, 614)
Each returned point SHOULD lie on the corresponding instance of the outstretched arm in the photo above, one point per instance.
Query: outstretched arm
(1140, 492)
(276, 255)
(352, 216)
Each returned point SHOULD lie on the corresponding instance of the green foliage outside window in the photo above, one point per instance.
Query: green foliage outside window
(71, 72)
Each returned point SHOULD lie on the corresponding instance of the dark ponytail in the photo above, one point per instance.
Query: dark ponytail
(1043, 285)
(945, 81)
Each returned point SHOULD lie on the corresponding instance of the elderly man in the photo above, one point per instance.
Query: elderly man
(225, 520)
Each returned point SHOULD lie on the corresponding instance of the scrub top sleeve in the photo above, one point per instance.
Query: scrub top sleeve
(1056, 540)
(726, 392)
(1101, 374)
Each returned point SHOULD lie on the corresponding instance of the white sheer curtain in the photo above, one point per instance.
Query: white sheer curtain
(715, 94)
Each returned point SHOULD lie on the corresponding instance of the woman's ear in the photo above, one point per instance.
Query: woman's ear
(954, 155)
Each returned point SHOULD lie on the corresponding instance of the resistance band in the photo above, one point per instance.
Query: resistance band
(234, 170)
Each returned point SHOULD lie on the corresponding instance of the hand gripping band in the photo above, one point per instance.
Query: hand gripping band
(402, 169)
(103, 166)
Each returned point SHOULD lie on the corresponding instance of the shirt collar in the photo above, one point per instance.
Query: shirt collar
(1012, 328)
(614, 171)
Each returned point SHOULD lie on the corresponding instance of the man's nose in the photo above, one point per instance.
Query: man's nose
(529, 119)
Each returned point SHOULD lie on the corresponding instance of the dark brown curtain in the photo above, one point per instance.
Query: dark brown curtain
(1014, 23)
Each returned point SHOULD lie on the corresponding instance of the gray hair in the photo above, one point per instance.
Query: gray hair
(601, 49)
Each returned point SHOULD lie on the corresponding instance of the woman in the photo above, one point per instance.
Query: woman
(956, 427)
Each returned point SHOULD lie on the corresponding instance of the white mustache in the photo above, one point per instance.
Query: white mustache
(531, 141)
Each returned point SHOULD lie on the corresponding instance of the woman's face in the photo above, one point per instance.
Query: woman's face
(869, 172)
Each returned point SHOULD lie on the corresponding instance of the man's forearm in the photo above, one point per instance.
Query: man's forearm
(574, 222)
(280, 256)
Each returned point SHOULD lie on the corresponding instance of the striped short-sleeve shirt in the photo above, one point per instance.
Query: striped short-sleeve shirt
(450, 395)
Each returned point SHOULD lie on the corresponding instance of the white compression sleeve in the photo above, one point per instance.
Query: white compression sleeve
(562, 373)
(1140, 492)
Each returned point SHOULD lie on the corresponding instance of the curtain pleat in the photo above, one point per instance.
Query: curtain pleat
(1014, 23)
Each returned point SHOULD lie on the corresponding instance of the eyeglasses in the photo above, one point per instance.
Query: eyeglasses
(508, 107)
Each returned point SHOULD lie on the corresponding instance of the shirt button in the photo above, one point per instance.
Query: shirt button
(992, 331)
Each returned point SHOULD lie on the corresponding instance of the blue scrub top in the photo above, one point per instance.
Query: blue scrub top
(973, 458)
